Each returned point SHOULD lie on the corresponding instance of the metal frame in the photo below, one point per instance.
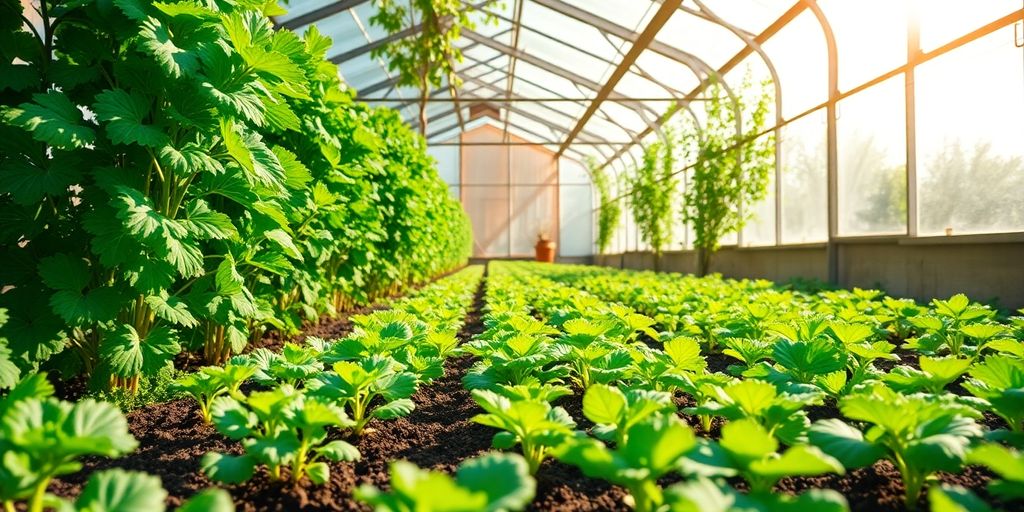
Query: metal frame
(574, 136)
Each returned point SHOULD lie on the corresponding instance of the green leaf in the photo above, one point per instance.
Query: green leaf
(945, 369)
(285, 242)
(207, 224)
(227, 278)
(155, 40)
(171, 308)
(318, 472)
(394, 409)
(209, 500)
(339, 451)
(947, 498)
(228, 469)
(115, 490)
(53, 119)
(604, 404)
(129, 355)
(844, 442)
(503, 478)
(800, 460)
(28, 184)
(124, 114)
(63, 272)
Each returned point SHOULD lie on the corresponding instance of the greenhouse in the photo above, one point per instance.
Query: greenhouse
(502, 255)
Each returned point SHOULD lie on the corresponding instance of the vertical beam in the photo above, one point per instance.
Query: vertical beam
(661, 17)
(913, 55)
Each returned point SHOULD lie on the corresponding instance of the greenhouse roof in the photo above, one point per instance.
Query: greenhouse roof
(588, 77)
(596, 77)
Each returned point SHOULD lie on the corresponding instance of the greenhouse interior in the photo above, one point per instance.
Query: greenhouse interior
(502, 255)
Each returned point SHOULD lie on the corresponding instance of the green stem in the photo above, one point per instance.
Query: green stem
(36, 503)
(8, 506)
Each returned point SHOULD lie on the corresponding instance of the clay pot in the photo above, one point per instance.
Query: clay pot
(545, 250)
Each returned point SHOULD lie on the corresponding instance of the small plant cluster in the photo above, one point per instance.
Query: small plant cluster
(308, 395)
(185, 176)
(551, 334)
(42, 437)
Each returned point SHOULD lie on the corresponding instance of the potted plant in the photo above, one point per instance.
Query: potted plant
(545, 248)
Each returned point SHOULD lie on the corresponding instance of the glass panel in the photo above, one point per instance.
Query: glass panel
(576, 220)
(572, 172)
(872, 161)
(970, 162)
(488, 207)
(801, 59)
(447, 162)
(709, 41)
(753, 17)
(484, 165)
(534, 213)
(866, 53)
(942, 21)
(630, 14)
(805, 180)
(761, 229)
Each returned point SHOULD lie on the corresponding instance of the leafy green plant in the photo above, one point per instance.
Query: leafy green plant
(614, 412)
(518, 359)
(610, 211)
(653, 448)
(495, 482)
(116, 489)
(704, 495)
(533, 424)
(782, 415)
(749, 451)
(278, 428)
(933, 376)
(1005, 462)
(731, 169)
(43, 438)
(210, 382)
(652, 186)
(928, 434)
(999, 380)
(591, 356)
(375, 387)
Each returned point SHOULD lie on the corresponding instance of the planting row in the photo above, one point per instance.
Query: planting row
(956, 400)
(182, 176)
(291, 412)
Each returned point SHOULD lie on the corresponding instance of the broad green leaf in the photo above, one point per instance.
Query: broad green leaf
(946, 498)
(228, 469)
(844, 442)
(503, 478)
(209, 500)
(53, 119)
(124, 114)
(115, 490)
(155, 40)
(604, 404)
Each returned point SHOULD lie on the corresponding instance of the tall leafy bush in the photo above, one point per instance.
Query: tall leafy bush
(652, 187)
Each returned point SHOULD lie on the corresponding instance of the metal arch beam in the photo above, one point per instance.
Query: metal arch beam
(639, 45)
(321, 13)
(373, 45)
(766, 34)
(629, 133)
(388, 82)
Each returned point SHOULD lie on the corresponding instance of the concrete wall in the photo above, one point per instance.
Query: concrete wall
(986, 268)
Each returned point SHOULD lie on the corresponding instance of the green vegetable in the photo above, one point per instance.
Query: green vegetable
(495, 482)
(652, 449)
(928, 434)
(375, 387)
(533, 424)
(210, 382)
(703, 495)
(116, 489)
(999, 380)
(615, 412)
(935, 374)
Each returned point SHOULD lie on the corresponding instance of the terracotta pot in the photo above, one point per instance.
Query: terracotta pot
(545, 251)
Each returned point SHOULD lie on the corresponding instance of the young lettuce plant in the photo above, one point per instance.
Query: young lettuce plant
(920, 434)
(375, 387)
(935, 374)
(653, 448)
(517, 359)
(294, 364)
(210, 382)
(999, 380)
(615, 412)
(496, 482)
(42, 438)
(704, 495)
(533, 424)
(591, 356)
(278, 428)
(749, 451)
(782, 415)
(116, 489)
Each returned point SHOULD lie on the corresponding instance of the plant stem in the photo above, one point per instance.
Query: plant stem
(36, 503)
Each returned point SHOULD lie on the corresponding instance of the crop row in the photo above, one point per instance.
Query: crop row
(288, 410)
(830, 354)
(184, 177)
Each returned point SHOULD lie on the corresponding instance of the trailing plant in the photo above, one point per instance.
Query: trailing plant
(652, 186)
(609, 212)
(731, 171)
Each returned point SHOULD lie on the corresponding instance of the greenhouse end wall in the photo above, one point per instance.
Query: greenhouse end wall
(987, 268)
